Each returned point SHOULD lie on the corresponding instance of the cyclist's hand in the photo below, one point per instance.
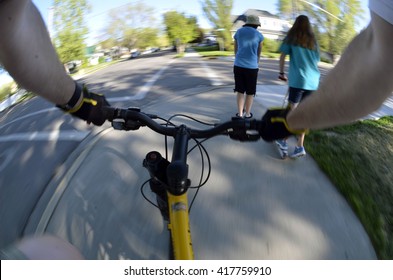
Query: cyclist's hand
(91, 108)
(274, 125)
(283, 77)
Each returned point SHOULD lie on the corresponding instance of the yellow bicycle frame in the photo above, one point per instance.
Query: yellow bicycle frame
(179, 227)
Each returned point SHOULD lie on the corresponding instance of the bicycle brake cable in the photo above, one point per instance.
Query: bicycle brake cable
(202, 151)
(201, 148)
(144, 196)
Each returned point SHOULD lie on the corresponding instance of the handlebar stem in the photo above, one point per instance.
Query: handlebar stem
(177, 171)
(181, 144)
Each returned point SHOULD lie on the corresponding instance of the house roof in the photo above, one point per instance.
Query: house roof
(260, 13)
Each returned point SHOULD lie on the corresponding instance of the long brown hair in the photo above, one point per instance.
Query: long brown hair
(301, 34)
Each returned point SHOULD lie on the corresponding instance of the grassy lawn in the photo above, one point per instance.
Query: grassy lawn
(358, 158)
(215, 53)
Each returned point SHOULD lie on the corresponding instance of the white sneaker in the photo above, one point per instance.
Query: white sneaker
(298, 152)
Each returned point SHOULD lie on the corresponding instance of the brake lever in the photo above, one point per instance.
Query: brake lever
(247, 133)
(119, 122)
(244, 136)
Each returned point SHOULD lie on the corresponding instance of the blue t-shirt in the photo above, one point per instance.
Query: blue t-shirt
(303, 66)
(248, 40)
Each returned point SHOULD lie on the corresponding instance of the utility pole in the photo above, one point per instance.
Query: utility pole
(323, 10)
(51, 11)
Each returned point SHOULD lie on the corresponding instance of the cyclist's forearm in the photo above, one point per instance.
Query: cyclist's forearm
(27, 53)
(357, 86)
(282, 62)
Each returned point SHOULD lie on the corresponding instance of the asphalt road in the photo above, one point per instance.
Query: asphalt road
(82, 183)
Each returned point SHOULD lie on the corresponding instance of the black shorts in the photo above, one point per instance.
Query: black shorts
(297, 94)
(245, 80)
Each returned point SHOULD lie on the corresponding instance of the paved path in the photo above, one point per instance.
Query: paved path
(255, 206)
(273, 96)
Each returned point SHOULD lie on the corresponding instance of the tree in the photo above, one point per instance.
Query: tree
(147, 37)
(180, 29)
(289, 9)
(70, 28)
(107, 43)
(334, 20)
(130, 26)
(163, 40)
(219, 13)
(345, 30)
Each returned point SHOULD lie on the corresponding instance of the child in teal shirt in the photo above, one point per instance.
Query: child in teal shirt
(301, 46)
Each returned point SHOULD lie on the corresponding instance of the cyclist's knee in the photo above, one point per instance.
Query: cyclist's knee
(48, 247)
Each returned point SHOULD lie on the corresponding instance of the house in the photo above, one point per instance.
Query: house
(272, 27)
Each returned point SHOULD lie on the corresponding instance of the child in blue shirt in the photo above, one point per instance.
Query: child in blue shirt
(248, 47)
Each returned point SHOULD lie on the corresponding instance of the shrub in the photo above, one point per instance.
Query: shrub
(271, 46)
(5, 91)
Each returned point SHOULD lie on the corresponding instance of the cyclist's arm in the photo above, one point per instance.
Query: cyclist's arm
(282, 62)
(45, 247)
(357, 86)
(26, 52)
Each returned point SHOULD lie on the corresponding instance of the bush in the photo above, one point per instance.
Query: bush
(207, 48)
(5, 91)
(101, 59)
(271, 46)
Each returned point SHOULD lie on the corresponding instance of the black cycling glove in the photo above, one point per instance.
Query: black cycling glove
(274, 125)
(91, 107)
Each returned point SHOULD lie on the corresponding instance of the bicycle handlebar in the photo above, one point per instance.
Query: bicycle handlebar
(132, 119)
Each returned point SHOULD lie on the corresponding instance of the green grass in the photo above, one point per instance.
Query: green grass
(212, 53)
(206, 49)
(270, 55)
(358, 158)
(216, 53)
(179, 55)
(5, 91)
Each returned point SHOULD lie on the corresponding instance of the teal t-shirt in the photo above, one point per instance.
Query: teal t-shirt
(248, 40)
(303, 66)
